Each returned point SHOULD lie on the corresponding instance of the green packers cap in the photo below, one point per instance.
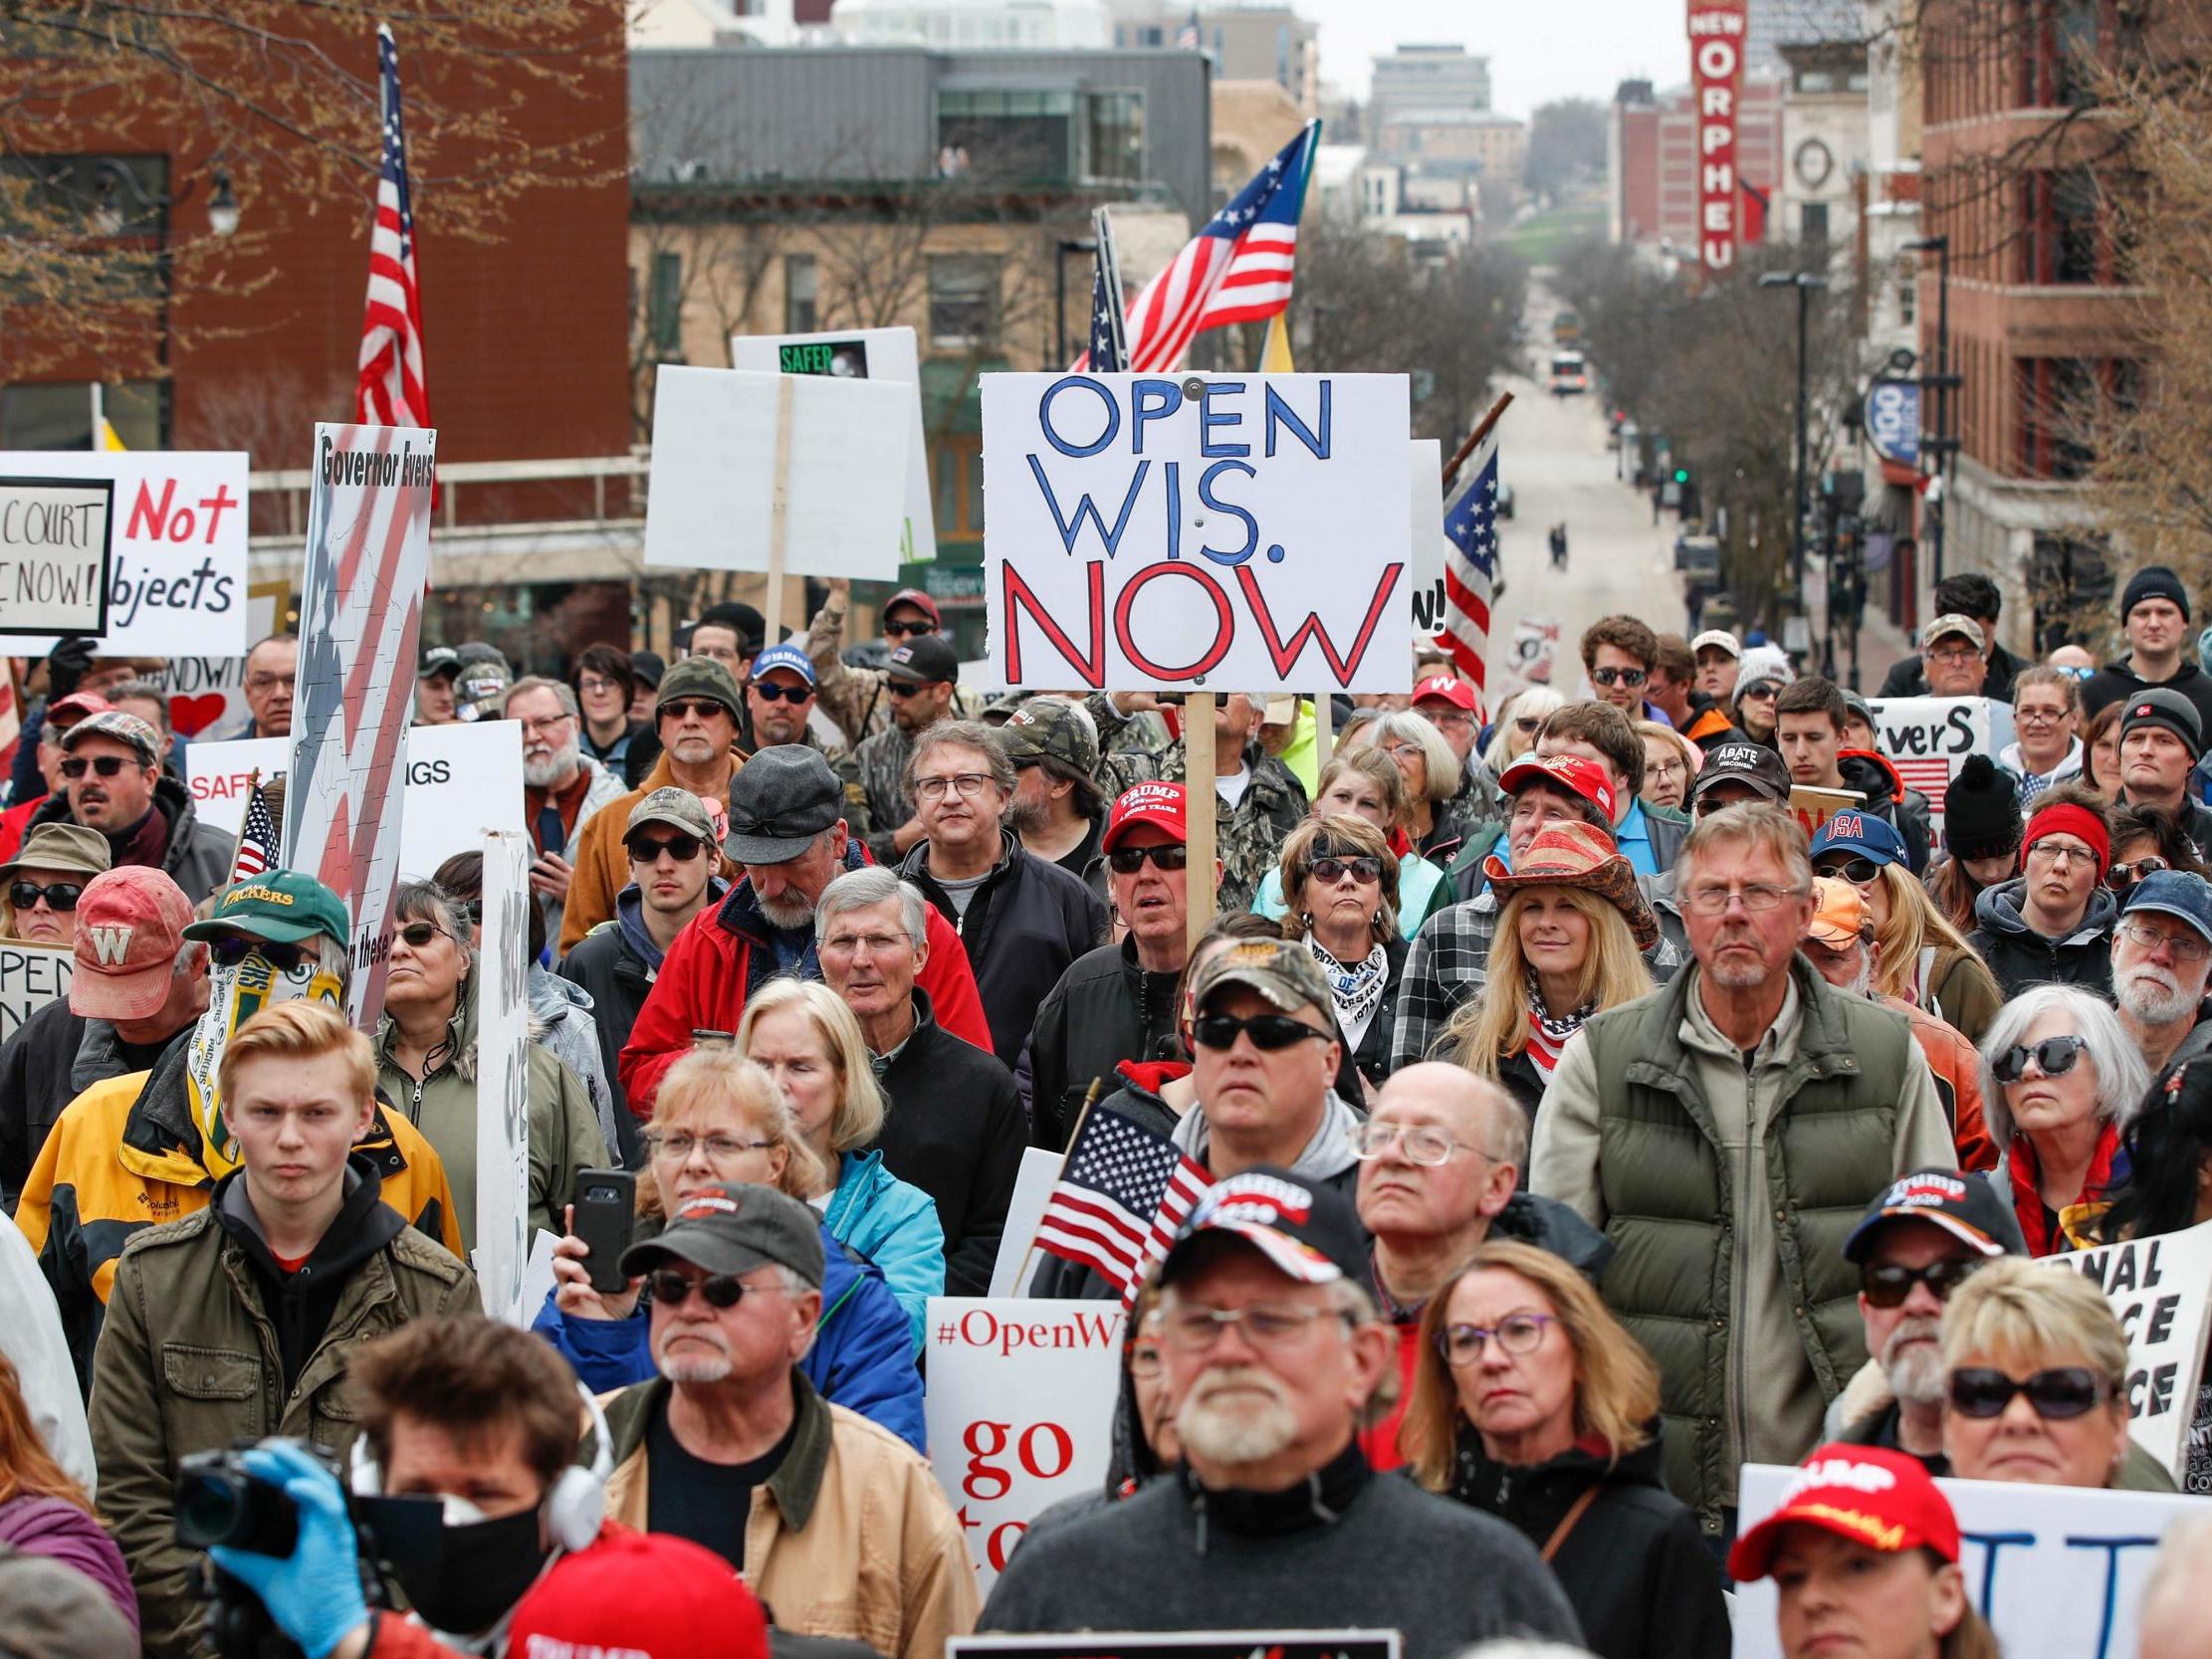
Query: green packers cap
(280, 905)
(1050, 728)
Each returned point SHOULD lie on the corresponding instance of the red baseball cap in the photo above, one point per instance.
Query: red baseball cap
(1873, 1496)
(919, 600)
(78, 705)
(643, 1596)
(1572, 773)
(130, 926)
(1446, 688)
(1146, 803)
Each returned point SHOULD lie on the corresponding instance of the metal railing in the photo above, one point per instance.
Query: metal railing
(455, 478)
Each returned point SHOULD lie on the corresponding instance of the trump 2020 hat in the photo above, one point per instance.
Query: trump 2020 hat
(1161, 805)
(1308, 1232)
(1570, 775)
(1873, 1496)
(589, 1605)
(1965, 1206)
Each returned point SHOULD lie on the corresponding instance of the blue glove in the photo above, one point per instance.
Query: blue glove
(315, 1593)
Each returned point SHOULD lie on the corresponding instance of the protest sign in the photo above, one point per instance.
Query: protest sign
(462, 780)
(209, 694)
(360, 616)
(502, 1249)
(1430, 543)
(31, 976)
(1192, 534)
(176, 549)
(1188, 1644)
(1535, 647)
(723, 442)
(1032, 1189)
(55, 535)
(2161, 1290)
(1019, 1407)
(1927, 738)
(2057, 1570)
(886, 354)
(1813, 806)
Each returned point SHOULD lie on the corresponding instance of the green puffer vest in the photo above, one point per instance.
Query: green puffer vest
(1670, 1202)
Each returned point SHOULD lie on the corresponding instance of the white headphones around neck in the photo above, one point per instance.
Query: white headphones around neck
(576, 1507)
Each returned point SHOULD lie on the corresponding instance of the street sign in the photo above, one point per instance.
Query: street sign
(1894, 421)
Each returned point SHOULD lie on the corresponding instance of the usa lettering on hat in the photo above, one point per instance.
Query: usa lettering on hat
(1847, 824)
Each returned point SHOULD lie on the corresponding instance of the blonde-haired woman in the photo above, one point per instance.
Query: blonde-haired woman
(808, 1042)
(720, 1120)
(1364, 783)
(1572, 930)
(1923, 958)
(1518, 721)
(1531, 1403)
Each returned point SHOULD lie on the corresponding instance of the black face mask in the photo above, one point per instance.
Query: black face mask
(462, 1578)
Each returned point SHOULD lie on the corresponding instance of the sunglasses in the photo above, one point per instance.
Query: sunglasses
(60, 896)
(782, 694)
(2060, 1393)
(1364, 867)
(1887, 1285)
(692, 707)
(646, 849)
(419, 933)
(1617, 676)
(107, 765)
(903, 630)
(1267, 1031)
(1127, 861)
(1857, 871)
(229, 950)
(672, 1288)
(2054, 1057)
(2122, 877)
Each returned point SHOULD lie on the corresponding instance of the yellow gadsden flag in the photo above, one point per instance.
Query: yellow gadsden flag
(1274, 357)
(108, 438)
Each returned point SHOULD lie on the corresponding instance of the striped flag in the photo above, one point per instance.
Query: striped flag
(257, 840)
(1191, 36)
(1236, 270)
(1109, 352)
(1471, 568)
(391, 389)
(1121, 1195)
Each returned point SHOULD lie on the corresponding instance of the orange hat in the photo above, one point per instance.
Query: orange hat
(1839, 913)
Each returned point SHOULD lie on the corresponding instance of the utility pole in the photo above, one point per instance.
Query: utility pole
(1943, 445)
(1805, 282)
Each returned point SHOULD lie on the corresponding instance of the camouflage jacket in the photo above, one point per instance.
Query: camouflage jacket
(880, 766)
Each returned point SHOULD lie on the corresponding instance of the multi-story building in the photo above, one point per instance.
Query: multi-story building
(1248, 40)
(1824, 148)
(1652, 165)
(975, 25)
(1771, 25)
(1427, 79)
(1477, 142)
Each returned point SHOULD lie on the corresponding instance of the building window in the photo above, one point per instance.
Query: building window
(945, 488)
(1117, 137)
(1009, 134)
(57, 414)
(964, 300)
(2073, 226)
(2056, 400)
(1812, 225)
(801, 290)
(664, 308)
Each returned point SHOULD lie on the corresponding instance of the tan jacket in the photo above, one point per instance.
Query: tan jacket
(850, 1538)
(602, 867)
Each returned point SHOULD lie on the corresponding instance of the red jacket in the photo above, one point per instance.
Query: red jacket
(724, 952)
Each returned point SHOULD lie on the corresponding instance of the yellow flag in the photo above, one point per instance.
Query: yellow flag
(1274, 357)
(108, 438)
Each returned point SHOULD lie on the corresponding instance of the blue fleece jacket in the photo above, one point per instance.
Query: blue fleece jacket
(895, 1226)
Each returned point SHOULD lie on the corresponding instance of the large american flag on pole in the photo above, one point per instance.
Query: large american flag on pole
(1471, 568)
(1236, 270)
(393, 389)
(1121, 1195)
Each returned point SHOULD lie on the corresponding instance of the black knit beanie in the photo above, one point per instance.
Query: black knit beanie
(2154, 581)
(1981, 810)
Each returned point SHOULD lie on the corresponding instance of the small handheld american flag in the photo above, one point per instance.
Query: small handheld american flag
(391, 389)
(1121, 1195)
(1471, 569)
(257, 840)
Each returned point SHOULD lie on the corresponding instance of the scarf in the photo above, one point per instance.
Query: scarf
(1356, 989)
(2076, 1223)
(1547, 1032)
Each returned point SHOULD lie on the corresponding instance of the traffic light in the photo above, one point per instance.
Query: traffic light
(1681, 474)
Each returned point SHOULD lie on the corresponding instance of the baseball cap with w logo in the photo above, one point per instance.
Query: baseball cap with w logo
(130, 926)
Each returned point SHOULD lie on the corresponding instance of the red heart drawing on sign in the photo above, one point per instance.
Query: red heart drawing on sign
(189, 714)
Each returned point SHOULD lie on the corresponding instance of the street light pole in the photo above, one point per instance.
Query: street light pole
(1940, 383)
(1805, 282)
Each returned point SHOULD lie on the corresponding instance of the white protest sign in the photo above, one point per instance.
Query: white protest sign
(1536, 644)
(209, 694)
(1019, 1407)
(1247, 533)
(176, 553)
(2161, 1290)
(886, 354)
(1927, 738)
(1430, 543)
(462, 780)
(2057, 1570)
(54, 539)
(31, 976)
(1032, 1189)
(501, 1252)
(711, 504)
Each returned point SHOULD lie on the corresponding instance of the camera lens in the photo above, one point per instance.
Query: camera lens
(209, 1509)
(219, 1501)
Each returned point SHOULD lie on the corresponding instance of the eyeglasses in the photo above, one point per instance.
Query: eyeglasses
(2063, 1392)
(107, 765)
(672, 1288)
(852, 945)
(1617, 676)
(2055, 851)
(768, 691)
(1658, 771)
(1421, 1143)
(904, 629)
(60, 895)
(2029, 716)
(1957, 655)
(2054, 1057)
(1364, 869)
(647, 849)
(229, 950)
(2074, 673)
(1887, 1285)
(1168, 855)
(2185, 947)
(1758, 898)
(681, 1144)
(1193, 1329)
(1527, 725)
(1267, 1031)
(967, 785)
(901, 689)
(1857, 871)
(551, 722)
(2120, 876)
(1405, 751)
(419, 933)
(1758, 694)
(1463, 1345)
(1144, 1361)
(593, 686)
(693, 709)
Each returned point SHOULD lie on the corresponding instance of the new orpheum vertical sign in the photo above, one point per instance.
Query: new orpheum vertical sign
(1716, 33)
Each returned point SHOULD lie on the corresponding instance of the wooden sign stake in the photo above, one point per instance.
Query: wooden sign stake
(1197, 785)
(780, 516)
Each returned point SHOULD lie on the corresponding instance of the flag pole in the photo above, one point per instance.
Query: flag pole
(1467, 445)
(1091, 1098)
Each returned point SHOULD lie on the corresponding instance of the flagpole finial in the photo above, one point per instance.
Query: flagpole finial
(383, 32)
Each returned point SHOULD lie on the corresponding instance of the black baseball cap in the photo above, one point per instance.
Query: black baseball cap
(1965, 1206)
(924, 659)
(437, 660)
(1308, 1232)
(1752, 764)
(735, 1229)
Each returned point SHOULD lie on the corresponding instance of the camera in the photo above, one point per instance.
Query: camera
(220, 1500)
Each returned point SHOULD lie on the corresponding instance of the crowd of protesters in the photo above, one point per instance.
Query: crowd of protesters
(1592, 1096)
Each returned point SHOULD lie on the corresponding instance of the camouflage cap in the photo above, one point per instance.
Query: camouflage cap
(1050, 729)
(1282, 973)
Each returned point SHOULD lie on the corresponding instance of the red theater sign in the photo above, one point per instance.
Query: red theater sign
(1716, 33)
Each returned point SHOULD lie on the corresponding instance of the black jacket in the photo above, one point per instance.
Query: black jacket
(1905, 809)
(954, 1128)
(1634, 1565)
(1908, 676)
(2118, 680)
(198, 857)
(1025, 926)
(2019, 956)
(1105, 1009)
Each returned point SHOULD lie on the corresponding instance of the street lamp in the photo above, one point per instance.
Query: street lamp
(1940, 382)
(222, 206)
(1805, 282)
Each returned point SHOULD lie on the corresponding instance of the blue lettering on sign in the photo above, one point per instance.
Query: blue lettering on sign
(1151, 400)
(1894, 421)
(1070, 529)
(1210, 418)
(1280, 413)
(1051, 433)
(2113, 1546)
(1251, 525)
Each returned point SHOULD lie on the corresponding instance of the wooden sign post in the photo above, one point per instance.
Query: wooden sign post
(1198, 813)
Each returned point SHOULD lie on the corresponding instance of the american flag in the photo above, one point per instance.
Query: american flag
(1121, 1195)
(1236, 270)
(257, 841)
(1109, 352)
(391, 389)
(1190, 37)
(1471, 568)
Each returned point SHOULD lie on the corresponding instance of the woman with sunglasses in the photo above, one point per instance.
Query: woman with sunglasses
(40, 886)
(1366, 783)
(1531, 1403)
(1342, 879)
(1519, 723)
(810, 1045)
(2061, 1082)
(719, 1119)
(2035, 1366)
(1572, 930)
(2147, 839)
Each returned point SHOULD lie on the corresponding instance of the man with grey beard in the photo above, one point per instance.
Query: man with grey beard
(2161, 957)
(562, 785)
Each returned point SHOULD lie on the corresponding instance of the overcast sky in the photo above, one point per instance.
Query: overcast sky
(1539, 50)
